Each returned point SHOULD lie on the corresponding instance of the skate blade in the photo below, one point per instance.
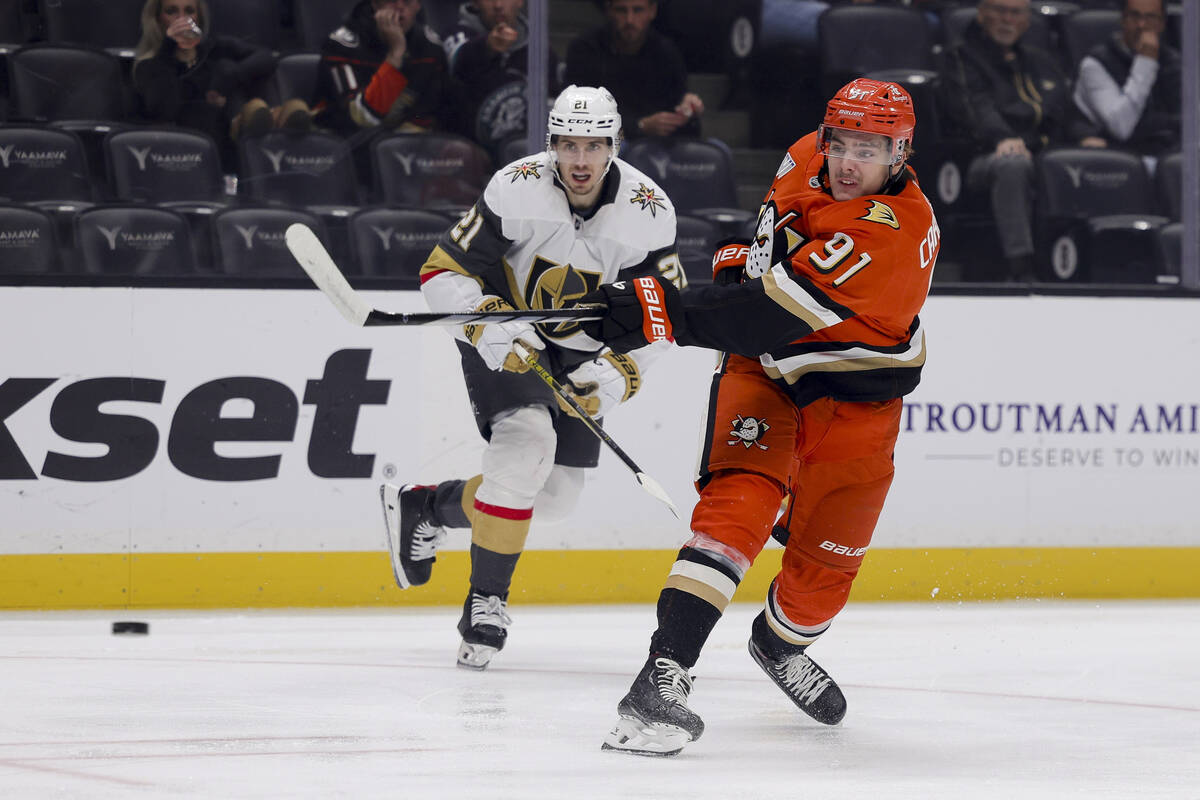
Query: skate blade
(475, 656)
(389, 496)
(641, 739)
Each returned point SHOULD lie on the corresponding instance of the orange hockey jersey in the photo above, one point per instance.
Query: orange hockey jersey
(832, 290)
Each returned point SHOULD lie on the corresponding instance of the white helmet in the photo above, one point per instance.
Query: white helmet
(584, 111)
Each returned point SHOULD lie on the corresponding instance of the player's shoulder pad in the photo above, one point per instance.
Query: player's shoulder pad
(523, 188)
(640, 199)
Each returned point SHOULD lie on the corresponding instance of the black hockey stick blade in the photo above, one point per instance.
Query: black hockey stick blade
(652, 487)
(308, 251)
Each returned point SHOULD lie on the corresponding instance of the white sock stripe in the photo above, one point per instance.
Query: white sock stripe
(706, 575)
(790, 631)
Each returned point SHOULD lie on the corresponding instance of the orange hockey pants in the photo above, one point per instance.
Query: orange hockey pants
(833, 460)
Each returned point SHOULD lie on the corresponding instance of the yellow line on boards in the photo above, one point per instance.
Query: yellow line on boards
(315, 579)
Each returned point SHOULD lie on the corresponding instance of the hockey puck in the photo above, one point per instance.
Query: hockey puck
(131, 627)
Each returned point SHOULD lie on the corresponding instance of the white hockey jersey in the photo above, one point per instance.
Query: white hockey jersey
(523, 242)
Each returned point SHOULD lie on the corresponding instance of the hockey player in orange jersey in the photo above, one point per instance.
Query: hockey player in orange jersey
(817, 320)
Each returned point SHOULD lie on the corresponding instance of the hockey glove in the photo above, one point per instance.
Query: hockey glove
(729, 261)
(600, 384)
(638, 312)
(494, 340)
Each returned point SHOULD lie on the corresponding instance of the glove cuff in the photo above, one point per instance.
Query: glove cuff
(628, 369)
(473, 330)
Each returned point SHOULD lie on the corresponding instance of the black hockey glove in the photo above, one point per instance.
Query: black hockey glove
(638, 312)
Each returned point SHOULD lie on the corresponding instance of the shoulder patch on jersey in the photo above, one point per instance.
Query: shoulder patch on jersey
(648, 198)
(345, 37)
(786, 166)
(525, 170)
(881, 213)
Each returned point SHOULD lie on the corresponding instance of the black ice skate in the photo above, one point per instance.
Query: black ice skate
(484, 628)
(801, 679)
(655, 719)
(412, 535)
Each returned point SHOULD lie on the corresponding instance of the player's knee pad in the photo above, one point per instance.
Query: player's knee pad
(518, 458)
(559, 495)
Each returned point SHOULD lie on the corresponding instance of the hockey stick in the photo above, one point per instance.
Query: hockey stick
(652, 487)
(307, 249)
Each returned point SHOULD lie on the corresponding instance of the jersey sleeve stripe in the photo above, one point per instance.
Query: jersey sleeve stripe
(801, 303)
(854, 359)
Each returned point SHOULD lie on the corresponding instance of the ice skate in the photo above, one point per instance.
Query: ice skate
(484, 628)
(654, 717)
(801, 679)
(412, 534)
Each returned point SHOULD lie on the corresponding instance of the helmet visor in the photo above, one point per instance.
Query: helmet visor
(868, 148)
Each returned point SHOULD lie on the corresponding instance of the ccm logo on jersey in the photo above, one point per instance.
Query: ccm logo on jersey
(656, 324)
(843, 550)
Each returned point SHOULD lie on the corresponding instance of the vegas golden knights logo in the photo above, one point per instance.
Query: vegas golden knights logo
(553, 285)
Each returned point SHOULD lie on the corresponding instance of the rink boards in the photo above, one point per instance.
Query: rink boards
(217, 448)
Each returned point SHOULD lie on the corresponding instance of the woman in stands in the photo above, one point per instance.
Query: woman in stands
(186, 76)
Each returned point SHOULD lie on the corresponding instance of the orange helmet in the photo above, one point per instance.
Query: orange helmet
(870, 106)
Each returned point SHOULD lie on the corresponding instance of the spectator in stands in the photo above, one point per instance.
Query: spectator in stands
(488, 52)
(642, 68)
(186, 76)
(1012, 100)
(381, 69)
(1130, 85)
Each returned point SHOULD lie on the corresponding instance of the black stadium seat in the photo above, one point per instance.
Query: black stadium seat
(255, 21)
(165, 166)
(295, 76)
(43, 166)
(314, 170)
(428, 170)
(857, 39)
(695, 240)
(1085, 29)
(51, 82)
(696, 174)
(133, 240)
(1096, 217)
(114, 25)
(250, 241)
(394, 242)
(28, 241)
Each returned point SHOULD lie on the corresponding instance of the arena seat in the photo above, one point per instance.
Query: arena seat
(394, 242)
(255, 21)
(428, 170)
(114, 25)
(696, 174)
(54, 82)
(249, 242)
(133, 240)
(165, 166)
(1095, 216)
(857, 39)
(28, 241)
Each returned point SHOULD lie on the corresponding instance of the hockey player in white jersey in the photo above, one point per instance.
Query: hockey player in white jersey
(547, 229)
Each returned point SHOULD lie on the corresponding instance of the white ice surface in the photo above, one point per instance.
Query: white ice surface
(1032, 700)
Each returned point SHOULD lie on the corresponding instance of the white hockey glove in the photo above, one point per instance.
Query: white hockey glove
(600, 384)
(494, 341)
